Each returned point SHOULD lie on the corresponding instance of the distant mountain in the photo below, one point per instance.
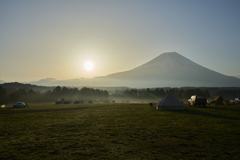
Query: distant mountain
(1, 81)
(45, 82)
(78, 82)
(167, 70)
(172, 70)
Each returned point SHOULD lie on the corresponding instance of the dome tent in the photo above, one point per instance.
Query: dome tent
(218, 100)
(170, 102)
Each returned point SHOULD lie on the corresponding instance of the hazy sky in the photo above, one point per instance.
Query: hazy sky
(54, 38)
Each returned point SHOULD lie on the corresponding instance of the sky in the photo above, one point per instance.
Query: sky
(53, 39)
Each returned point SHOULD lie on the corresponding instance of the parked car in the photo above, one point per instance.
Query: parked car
(197, 100)
(67, 102)
(20, 105)
(90, 101)
(77, 102)
(235, 101)
(58, 102)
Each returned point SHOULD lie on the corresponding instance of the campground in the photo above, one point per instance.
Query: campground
(119, 131)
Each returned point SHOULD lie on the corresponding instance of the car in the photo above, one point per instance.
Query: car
(67, 102)
(76, 102)
(58, 102)
(20, 105)
(197, 100)
(90, 101)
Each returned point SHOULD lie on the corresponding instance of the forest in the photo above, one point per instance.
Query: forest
(184, 93)
(159, 93)
(12, 95)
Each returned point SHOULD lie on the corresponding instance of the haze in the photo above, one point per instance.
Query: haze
(53, 39)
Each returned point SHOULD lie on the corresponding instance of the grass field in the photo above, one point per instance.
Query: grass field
(119, 131)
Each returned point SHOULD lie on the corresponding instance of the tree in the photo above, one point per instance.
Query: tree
(57, 90)
(65, 91)
(2, 91)
(3, 96)
(15, 96)
(22, 91)
(206, 94)
(31, 92)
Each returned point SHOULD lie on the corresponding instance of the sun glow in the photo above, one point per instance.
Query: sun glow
(88, 65)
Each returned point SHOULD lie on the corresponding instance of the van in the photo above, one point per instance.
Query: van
(197, 100)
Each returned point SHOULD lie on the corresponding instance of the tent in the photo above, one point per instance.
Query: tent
(218, 100)
(170, 102)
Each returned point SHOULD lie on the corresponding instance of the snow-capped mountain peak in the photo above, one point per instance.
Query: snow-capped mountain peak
(168, 61)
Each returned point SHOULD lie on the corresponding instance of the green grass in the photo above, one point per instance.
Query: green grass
(119, 131)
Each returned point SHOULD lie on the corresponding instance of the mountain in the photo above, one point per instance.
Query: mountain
(78, 82)
(1, 81)
(45, 82)
(167, 70)
(171, 70)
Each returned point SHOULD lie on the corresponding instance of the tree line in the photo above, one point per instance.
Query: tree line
(159, 93)
(12, 95)
(183, 93)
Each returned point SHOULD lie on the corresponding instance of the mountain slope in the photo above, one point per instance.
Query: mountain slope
(172, 70)
(1, 81)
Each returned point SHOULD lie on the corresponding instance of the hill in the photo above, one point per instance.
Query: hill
(17, 85)
(1, 81)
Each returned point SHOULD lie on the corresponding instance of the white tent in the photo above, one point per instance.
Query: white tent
(170, 102)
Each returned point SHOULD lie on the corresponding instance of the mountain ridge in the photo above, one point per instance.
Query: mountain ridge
(1, 81)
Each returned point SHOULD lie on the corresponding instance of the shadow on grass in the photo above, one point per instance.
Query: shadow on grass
(201, 113)
(228, 109)
(44, 110)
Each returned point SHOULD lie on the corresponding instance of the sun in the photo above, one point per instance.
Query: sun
(88, 65)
